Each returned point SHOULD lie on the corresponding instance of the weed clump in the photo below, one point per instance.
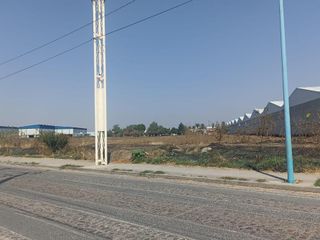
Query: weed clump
(317, 183)
(70, 166)
(54, 142)
(138, 156)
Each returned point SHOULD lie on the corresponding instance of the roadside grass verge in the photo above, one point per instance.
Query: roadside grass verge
(70, 166)
(234, 178)
(25, 163)
(232, 157)
(149, 172)
(30, 163)
(261, 180)
(121, 170)
(317, 183)
(145, 173)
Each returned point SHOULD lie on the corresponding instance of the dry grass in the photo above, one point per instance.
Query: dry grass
(235, 151)
(192, 139)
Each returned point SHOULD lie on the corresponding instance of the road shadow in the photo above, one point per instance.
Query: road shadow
(267, 174)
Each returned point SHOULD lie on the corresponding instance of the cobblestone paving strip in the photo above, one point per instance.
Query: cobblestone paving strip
(91, 223)
(216, 197)
(6, 234)
(258, 225)
(163, 207)
(207, 209)
(168, 224)
(167, 186)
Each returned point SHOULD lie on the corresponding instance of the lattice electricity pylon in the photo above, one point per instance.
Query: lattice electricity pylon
(100, 85)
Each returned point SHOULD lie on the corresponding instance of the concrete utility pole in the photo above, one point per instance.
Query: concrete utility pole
(100, 84)
(286, 105)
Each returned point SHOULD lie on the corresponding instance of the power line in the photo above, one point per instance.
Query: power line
(62, 36)
(91, 39)
(46, 60)
(150, 17)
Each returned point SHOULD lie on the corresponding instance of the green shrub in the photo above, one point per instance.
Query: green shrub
(317, 183)
(54, 142)
(138, 156)
(274, 163)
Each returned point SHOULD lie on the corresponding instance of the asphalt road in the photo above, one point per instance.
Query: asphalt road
(43, 204)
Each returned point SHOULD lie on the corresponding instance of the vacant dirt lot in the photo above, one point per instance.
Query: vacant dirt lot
(235, 151)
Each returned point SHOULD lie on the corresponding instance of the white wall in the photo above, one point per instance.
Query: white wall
(72, 131)
(33, 132)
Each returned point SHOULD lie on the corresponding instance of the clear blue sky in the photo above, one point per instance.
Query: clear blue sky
(210, 60)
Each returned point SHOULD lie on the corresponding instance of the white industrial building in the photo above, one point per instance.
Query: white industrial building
(304, 94)
(256, 112)
(247, 116)
(272, 107)
(240, 119)
(32, 131)
(304, 111)
(71, 131)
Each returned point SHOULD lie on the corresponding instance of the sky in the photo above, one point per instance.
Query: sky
(211, 60)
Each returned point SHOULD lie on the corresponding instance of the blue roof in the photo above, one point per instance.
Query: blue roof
(7, 127)
(38, 126)
(62, 127)
(51, 127)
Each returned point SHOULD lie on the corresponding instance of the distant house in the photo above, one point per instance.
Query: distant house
(209, 130)
(32, 131)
